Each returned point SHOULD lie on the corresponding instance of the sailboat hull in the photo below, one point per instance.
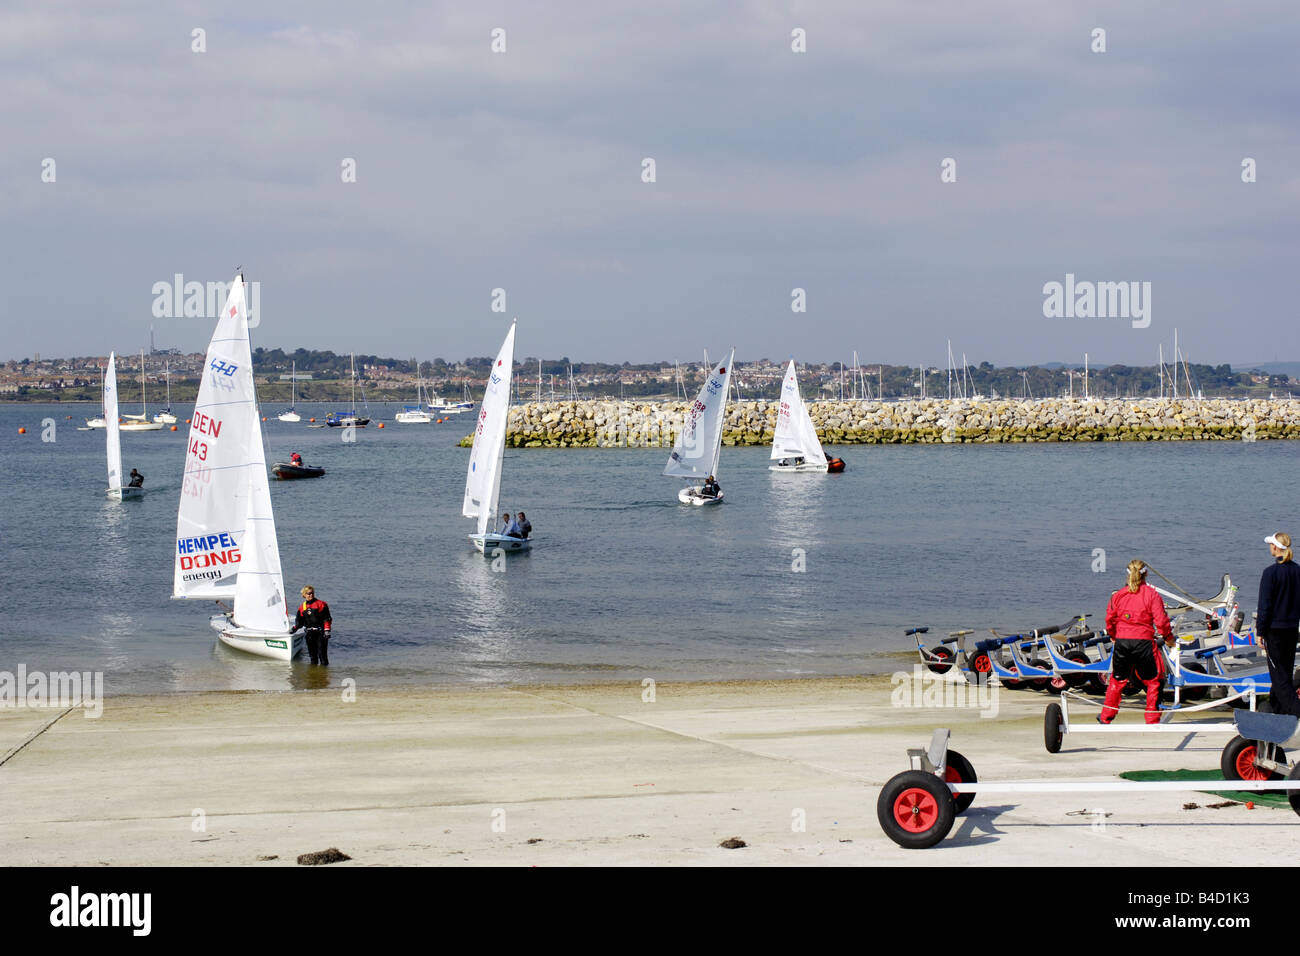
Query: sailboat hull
(141, 426)
(489, 544)
(280, 646)
(804, 467)
(692, 496)
(125, 494)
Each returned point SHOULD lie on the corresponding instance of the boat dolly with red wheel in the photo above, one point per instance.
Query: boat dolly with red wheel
(918, 807)
(1056, 720)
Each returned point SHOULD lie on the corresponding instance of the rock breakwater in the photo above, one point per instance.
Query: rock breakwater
(613, 424)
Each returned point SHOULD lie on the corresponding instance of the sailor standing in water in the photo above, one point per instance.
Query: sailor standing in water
(314, 616)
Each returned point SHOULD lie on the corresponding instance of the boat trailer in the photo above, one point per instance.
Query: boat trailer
(917, 808)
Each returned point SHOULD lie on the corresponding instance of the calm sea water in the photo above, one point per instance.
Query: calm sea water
(623, 581)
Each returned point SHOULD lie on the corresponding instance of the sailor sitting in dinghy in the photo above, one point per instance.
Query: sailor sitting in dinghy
(711, 488)
(137, 480)
(511, 529)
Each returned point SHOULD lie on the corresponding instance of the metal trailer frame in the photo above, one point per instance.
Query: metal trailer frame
(917, 808)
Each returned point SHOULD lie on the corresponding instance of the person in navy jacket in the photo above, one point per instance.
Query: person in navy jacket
(1277, 620)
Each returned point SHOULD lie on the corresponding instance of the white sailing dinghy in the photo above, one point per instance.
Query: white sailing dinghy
(167, 416)
(483, 480)
(226, 544)
(292, 414)
(113, 438)
(795, 446)
(699, 443)
(415, 414)
(141, 422)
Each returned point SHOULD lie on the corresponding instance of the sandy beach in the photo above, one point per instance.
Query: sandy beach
(558, 776)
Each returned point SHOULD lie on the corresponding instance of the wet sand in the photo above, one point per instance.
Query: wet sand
(582, 775)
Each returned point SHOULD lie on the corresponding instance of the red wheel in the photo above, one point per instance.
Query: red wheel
(940, 659)
(915, 809)
(981, 664)
(1013, 683)
(1079, 657)
(1239, 761)
(959, 770)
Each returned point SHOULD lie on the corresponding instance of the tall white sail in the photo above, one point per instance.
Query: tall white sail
(795, 435)
(695, 455)
(113, 435)
(259, 586)
(483, 480)
(224, 442)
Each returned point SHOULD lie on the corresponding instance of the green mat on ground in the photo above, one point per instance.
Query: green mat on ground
(1265, 798)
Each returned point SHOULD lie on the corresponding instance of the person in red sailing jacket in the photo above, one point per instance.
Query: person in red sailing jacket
(1133, 617)
(314, 615)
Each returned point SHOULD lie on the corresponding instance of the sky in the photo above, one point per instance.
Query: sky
(774, 170)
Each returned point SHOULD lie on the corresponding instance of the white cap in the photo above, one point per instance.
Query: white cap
(1272, 539)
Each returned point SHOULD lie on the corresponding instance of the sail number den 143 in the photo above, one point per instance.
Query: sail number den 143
(197, 477)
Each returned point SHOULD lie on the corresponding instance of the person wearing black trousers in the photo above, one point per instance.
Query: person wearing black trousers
(1277, 620)
(314, 616)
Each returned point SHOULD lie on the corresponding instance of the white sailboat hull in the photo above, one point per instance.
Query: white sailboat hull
(141, 426)
(290, 417)
(692, 496)
(125, 494)
(165, 418)
(414, 418)
(277, 645)
(806, 466)
(489, 543)
(96, 423)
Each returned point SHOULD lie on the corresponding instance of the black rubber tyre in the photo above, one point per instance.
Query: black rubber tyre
(959, 770)
(1237, 761)
(980, 665)
(1097, 683)
(1293, 796)
(941, 659)
(1042, 683)
(1195, 693)
(916, 809)
(1052, 735)
(1135, 688)
(1077, 680)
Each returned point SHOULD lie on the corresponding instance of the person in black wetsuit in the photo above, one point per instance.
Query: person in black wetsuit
(711, 488)
(1278, 620)
(137, 480)
(525, 526)
(314, 616)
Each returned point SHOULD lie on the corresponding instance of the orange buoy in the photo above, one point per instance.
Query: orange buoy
(313, 419)
(173, 428)
(381, 424)
(263, 418)
(187, 421)
(22, 431)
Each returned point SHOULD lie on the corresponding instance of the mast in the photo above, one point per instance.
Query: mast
(1175, 365)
